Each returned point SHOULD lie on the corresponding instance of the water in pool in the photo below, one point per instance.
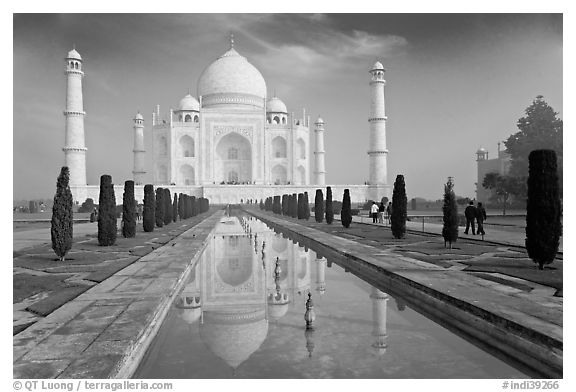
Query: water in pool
(242, 312)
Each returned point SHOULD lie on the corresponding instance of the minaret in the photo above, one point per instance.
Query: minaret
(319, 153)
(377, 151)
(74, 147)
(139, 151)
(379, 305)
(320, 274)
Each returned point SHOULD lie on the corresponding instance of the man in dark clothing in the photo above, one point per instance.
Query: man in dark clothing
(470, 213)
(480, 218)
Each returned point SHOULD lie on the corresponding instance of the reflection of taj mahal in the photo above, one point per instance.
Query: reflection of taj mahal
(233, 134)
(243, 282)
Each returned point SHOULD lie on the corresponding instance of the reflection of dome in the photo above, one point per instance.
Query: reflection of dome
(279, 244)
(276, 105)
(319, 121)
(232, 80)
(277, 311)
(234, 336)
(189, 103)
(234, 271)
(190, 315)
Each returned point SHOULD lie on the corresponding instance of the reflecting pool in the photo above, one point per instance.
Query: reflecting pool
(241, 314)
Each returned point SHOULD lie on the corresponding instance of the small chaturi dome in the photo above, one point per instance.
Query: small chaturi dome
(73, 54)
(378, 66)
(319, 120)
(189, 103)
(275, 105)
(481, 150)
(139, 116)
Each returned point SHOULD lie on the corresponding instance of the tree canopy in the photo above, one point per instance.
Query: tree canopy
(503, 187)
(539, 129)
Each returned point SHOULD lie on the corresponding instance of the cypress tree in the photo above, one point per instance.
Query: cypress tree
(167, 207)
(193, 205)
(186, 207)
(106, 212)
(294, 206)
(261, 204)
(160, 207)
(61, 229)
(329, 206)
(128, 210)
(175, 208)
(149, 214)
(399, 208)
(276, 207)
(450, 214)
(284, 204)
(306, 206)
(300, 206)
(543, 209)
(346, 213)
(319, 206)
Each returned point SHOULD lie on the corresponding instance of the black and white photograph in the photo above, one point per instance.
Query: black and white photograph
(257, 195)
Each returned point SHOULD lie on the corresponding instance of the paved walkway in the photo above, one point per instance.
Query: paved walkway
(493, 234)
(530, 321)
(104, 332)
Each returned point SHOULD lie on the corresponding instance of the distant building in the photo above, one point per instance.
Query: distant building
(500, 165)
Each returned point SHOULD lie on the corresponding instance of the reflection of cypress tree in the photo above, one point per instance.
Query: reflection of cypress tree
(128, 210)
(329, 207)
(399, 208)
(544, 210)
(107, 212)
(62, 216)
(319, 206)
(149, 214)
(400, 304)
(160, 207)
(346, 213)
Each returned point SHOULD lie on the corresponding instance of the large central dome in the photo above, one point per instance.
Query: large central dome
(232, 80)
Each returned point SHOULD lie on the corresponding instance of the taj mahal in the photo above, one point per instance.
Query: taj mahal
(232, 143)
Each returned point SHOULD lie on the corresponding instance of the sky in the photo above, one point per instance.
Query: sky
(455, 82)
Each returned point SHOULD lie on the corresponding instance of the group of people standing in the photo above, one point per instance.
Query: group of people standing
(477, 214)
(377, 212)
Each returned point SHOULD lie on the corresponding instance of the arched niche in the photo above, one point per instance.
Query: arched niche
(233, 159)
(187, 175)
(187, 146)
(300, 149)
(279, 175)
(279, 147)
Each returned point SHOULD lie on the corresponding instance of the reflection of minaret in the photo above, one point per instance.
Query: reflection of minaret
(320, 275)
(379, 304)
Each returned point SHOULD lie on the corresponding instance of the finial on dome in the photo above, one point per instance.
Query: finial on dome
(231, 41)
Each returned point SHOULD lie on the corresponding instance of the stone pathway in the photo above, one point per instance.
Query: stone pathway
(527, 314)
(105, 331)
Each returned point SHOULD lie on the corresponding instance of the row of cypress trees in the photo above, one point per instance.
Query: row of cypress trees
(159, 210)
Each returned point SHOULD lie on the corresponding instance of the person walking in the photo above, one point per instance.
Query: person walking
(139, 211)
(381, 210)
(470, 214)
(480, 218)
(374, 212)
(389, 212)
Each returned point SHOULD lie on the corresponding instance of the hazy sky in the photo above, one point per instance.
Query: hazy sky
(454, 83)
